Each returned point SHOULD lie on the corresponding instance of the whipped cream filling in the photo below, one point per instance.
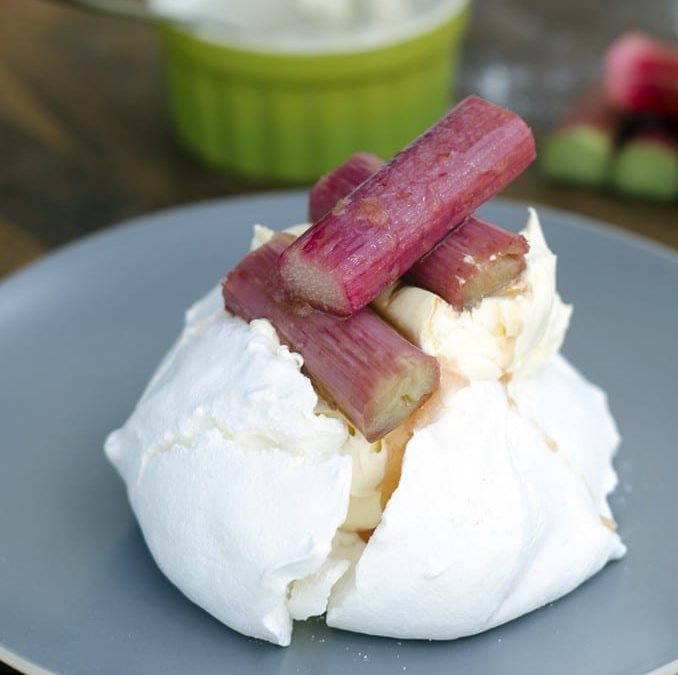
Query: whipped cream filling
(514, 333)
(368, 464)
(250, 490)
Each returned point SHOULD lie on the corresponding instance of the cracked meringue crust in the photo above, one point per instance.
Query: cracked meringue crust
(253, 494)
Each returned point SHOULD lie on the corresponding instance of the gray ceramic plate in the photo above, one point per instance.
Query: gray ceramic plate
(80, 333)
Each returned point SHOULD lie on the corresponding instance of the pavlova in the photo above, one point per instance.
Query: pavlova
(370, 417)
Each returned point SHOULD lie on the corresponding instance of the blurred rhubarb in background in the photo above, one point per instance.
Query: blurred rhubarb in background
(622, 133)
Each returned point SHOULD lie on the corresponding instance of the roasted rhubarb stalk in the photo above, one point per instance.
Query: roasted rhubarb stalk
(646, 167)
(641, 75)
(374, 235)
(580, 148)
(360, 364)
(474, 261)
(342, 181)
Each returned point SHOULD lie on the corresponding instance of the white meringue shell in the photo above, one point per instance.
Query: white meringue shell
(232, 527)
(487, 523)
(238, 486)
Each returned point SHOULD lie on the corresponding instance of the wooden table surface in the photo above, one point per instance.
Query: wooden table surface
(85, 141)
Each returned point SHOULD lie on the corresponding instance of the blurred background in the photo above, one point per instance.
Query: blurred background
(85, 136)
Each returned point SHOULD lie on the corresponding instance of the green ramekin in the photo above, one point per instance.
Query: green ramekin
(290, 117)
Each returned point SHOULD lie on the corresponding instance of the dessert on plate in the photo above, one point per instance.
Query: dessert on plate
(371, 418)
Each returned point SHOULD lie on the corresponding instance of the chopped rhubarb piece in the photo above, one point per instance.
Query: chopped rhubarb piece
(474, 261)
(641, 75)
(579, 150)
(361, 364)
(341, 182)
(646, 167)
(374, 235)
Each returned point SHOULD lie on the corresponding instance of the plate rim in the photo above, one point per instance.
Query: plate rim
(578, 221)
